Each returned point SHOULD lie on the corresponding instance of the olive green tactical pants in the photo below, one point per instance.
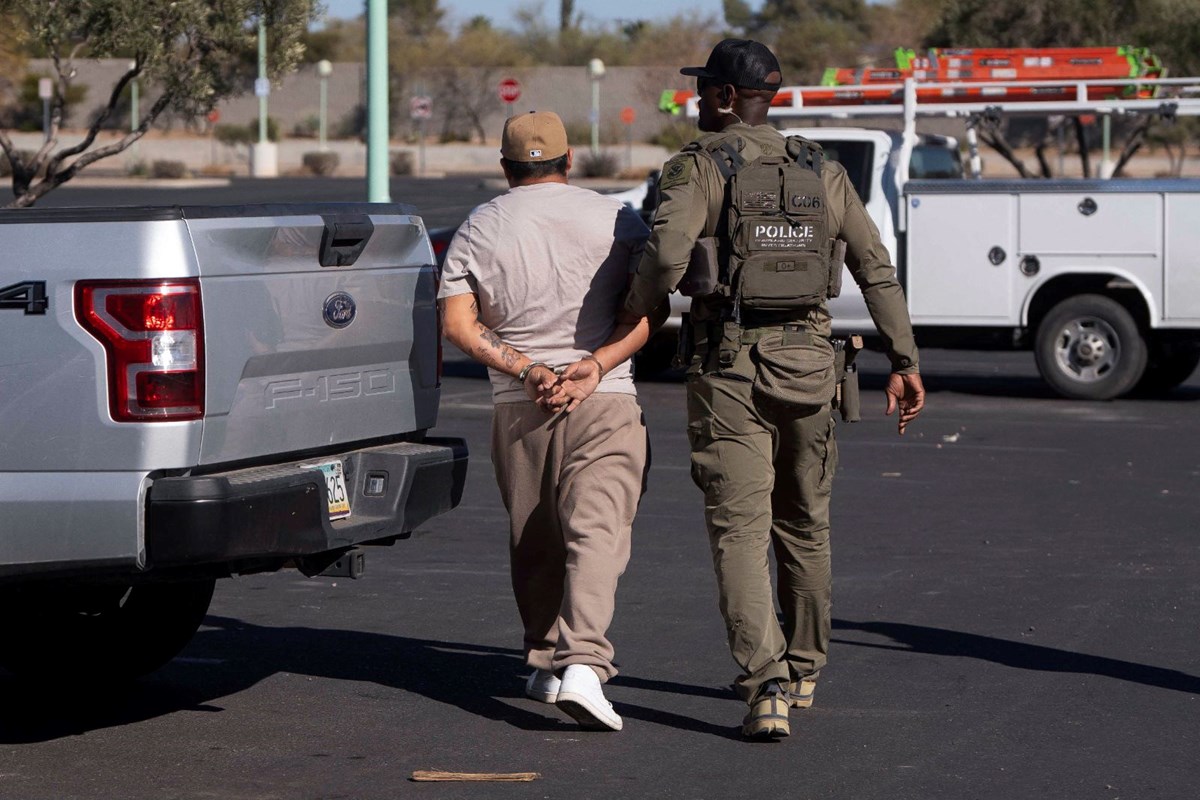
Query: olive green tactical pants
(767, 475)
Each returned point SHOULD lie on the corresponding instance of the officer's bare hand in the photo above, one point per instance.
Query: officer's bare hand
(907, 392)
(577, 382)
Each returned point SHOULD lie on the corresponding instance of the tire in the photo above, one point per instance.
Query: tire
(1166, 369)
(1089, 348)
(98, 633)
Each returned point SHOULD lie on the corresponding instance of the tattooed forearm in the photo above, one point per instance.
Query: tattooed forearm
(495, 348)
(490, 337)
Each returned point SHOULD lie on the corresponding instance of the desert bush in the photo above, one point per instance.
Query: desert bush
(599, 165)
(321, 162)
(168, 169)
(402, 162)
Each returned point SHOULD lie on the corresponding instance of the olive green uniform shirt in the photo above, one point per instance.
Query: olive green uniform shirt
(691, 196)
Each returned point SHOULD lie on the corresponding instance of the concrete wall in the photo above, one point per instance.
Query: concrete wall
(566, 90)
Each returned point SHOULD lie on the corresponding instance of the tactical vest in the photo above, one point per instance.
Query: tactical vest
(775, 250)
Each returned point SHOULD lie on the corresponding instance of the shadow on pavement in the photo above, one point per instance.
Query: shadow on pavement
(942, 642)
(670, 719)
(228, 656)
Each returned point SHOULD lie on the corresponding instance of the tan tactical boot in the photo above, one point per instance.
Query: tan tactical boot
(768, 717)
(801, 692)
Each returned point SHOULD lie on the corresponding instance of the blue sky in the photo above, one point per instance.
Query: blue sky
(500, 11)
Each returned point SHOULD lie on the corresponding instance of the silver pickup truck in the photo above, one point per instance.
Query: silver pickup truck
(188, 393)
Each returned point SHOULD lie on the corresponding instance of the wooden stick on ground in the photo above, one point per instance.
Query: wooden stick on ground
(438, 775)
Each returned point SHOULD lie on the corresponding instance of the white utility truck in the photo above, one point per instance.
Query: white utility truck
(1100, 278)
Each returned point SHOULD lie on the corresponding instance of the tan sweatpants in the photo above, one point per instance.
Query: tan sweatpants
(571, 484)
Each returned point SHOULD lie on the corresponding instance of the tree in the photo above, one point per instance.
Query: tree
(1169, 28)
(807, 35)
(191, 51)
(419, 17)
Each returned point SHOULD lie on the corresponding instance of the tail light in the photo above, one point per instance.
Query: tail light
(440, 246)
(154, 345)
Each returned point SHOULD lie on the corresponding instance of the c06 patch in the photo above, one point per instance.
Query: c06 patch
(676, 172)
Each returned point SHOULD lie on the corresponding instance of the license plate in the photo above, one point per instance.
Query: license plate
(335, 488)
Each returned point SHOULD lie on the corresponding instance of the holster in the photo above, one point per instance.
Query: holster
(731, 343)
(686, 348)
(846, 399)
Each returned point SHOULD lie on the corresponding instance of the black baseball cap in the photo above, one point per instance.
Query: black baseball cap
(744, 63)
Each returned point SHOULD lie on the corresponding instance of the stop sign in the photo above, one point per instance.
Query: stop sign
(510, 90)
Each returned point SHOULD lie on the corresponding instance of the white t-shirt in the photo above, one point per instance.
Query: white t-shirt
(550, 264)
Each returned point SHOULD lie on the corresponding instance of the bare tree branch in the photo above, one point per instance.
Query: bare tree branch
(113, 98)
(1133, 143)
(56, 179)
(988, 126)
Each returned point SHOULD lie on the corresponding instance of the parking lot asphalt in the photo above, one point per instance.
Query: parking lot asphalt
(1015, 609)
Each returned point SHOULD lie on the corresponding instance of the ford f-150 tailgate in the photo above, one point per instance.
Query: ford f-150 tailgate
(236, 386)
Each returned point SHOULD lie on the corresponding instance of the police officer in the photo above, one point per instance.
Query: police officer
(765, 467)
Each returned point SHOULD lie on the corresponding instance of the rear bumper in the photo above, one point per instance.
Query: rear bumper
(280, 511)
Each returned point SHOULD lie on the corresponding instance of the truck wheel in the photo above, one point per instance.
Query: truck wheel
(98, 633)
(1166, 369)
(1089, 348)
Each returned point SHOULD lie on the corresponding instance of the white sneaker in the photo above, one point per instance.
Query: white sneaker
(542, 686)
(581, 697)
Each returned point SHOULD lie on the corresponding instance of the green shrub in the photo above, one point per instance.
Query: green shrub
(402, 162)
(321, 162)
(168, 169)
(233, 135)
(674, 135)
(307, 128)
(598, 165)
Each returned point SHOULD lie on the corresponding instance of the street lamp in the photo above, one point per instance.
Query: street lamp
(133, 99)
(595, 72)
(324, 70)
(264, 155)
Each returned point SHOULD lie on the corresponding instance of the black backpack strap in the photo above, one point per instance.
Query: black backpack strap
(807, 153)
(725, 154)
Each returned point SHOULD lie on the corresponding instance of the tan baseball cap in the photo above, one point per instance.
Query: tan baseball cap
(536, 136)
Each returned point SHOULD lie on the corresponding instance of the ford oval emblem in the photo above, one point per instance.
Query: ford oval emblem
(340, 309)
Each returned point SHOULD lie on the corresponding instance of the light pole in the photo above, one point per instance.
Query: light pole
(46, 93)
(264, 157)
(378, 115)
(133, 99)
(324, 70)
(595, 72)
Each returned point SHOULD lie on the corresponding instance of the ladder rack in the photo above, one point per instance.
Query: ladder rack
(1168, 97)
(912, 98)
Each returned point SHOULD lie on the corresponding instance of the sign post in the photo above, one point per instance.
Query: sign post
(628, 115)
(213, 117)
(510, 92)
(420, 108)
(46, 92)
